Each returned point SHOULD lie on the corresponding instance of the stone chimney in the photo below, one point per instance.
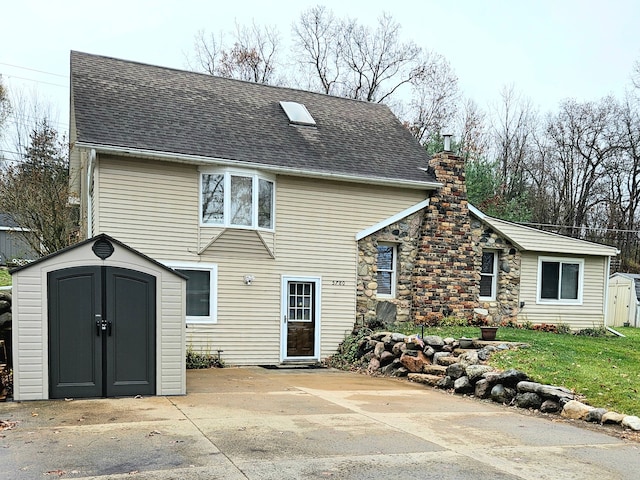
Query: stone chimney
(445, 281)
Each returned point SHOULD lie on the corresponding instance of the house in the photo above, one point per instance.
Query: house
(293, 214)
(254, 192)
(12, 245)
(529, 275)
(624, 300)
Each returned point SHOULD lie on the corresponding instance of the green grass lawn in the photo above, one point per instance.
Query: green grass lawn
(605, 370)
(5, 278)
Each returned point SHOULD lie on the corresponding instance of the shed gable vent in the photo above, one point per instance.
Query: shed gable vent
(298, 113)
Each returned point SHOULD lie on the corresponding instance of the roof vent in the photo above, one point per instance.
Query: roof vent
(298, 113)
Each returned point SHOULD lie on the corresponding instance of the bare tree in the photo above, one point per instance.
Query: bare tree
(514, 124)
(435, 96)
(34, 192)
(252, 56)
(584, 141)
(317, 48)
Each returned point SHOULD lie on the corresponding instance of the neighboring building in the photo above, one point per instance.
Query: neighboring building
(13, 246)
(624, 300)
(295, 214)
(530, 275)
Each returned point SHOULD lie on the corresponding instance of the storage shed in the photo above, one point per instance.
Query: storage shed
(98, 319)
(624, 300)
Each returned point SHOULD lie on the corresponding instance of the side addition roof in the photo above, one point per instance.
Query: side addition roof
(128, 107)
(534, 240)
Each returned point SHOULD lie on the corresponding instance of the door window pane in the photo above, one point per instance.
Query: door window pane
(300, 301)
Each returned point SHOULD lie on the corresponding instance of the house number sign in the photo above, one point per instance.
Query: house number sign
(338, 283)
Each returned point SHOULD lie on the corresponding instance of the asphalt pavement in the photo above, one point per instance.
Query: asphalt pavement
(256, 423)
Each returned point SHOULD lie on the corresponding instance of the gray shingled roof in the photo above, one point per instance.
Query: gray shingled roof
(7, 221)
(120, 103)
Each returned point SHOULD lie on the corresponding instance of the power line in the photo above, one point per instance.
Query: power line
(36, 81)
(579, 228)
(34, 70)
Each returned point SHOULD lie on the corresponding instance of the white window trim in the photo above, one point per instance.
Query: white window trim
(255, 187)
(213, 293)
(394, 270)
(494, 276)
(563, 301)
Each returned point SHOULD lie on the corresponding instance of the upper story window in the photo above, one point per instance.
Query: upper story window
(236, 199)
(560, 280)
(488, 275)
(386, 269)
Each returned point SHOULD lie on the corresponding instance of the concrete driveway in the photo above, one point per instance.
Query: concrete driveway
(253, 423)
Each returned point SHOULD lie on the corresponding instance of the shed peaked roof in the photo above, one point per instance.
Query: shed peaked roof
(127, 106)
(534, 240)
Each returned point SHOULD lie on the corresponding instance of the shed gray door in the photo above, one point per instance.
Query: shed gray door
(102, 324)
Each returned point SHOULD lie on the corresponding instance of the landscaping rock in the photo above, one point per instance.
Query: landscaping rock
(631, 422)
(401, 372)
(434, 369)
(379, 348)
(502, 394)
(399, 348)
(374, 365)
(445, 383)
(415, 363)
(469, 358)
(612, 417)
(548, 392)
(475, 372)
(528, 400)
(550, 406)
(595, 415)
(425, 378)
(483, 354)
(398, 337)
(449, 340)
(576, 410)
(386, 358)
(463, 385)
(438, 355)
(482, 389)
(434, 341)
(455, 371)
(511, 378)
(446, 361)
(429, 351)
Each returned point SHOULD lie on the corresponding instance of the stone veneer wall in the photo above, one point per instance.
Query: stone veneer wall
(446, 280)
(506, 304)
(404, 234)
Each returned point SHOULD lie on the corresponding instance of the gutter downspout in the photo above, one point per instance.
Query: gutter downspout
(90, 169)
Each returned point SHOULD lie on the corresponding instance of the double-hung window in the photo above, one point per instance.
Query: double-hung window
(236, 199)
(386, 268)
(560, 280)
(202, 279)
(488, 275)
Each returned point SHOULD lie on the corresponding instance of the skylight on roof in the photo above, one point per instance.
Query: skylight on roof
(297, 113)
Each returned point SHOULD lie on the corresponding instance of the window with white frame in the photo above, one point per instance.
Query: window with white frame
(386, 269)
(202, 283)
(488, 275)
(236, 199)
(560, 280)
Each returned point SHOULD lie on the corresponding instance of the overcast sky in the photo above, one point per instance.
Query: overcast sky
(548, 49)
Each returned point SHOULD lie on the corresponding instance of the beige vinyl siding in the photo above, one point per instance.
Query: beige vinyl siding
(316, 224)
(149, 205)
(29, 338)
(587, 315)
(154, 207)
